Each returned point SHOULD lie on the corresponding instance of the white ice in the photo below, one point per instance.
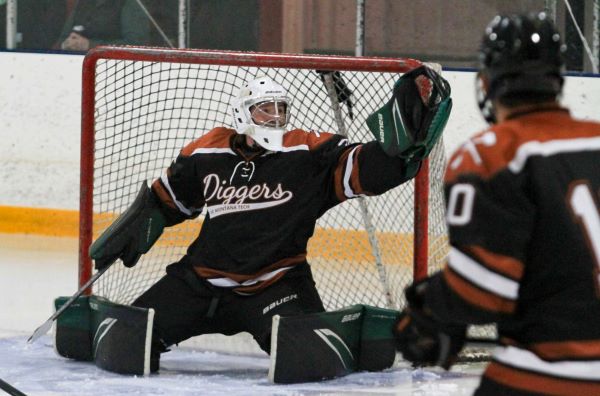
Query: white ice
(34, 270)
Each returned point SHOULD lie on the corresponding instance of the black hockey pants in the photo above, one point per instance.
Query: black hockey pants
(186, 305)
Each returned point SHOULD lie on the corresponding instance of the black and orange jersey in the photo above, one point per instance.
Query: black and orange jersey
(523, 211)
(261, 208)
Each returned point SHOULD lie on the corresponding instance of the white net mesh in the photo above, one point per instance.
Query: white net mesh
(145, 112)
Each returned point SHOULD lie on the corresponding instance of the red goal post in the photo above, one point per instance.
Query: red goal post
(141, 105)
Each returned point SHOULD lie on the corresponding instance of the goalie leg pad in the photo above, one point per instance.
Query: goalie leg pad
(122, 339)
(377, 342)
(72, 337)
(315, 347)
(116, 337)
(319, 346)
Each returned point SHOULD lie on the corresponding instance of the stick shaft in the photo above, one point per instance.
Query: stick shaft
(43, 329)
(6, 387)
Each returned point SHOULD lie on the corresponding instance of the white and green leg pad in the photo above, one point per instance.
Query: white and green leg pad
(320, 346)
(116, 337)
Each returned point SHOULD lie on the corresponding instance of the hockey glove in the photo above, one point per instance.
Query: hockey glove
(422, 339)
(411, 123)
(132, 234)
(343, 93)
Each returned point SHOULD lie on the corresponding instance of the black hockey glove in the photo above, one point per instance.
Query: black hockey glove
(132, 234)
(422, 339)
(343, 93)
(412, 122)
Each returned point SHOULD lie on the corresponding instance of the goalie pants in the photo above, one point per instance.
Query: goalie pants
(186, 306)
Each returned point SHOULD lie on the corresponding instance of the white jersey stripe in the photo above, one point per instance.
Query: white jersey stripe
(482, 277)
(295, 148)
(180, 206)
(552, 147)
(521, 358)
(227, 282)
(348, 192)
(213, 150)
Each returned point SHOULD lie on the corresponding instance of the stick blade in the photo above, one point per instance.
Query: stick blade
(40, 331)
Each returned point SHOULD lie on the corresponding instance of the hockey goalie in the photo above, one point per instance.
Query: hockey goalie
(264, 184)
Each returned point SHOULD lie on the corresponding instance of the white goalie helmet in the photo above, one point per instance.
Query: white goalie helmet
(262, 110)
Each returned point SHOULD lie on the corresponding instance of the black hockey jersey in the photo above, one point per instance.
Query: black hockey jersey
(523, 209)
(262, 207)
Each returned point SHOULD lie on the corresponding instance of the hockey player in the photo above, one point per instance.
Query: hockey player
(264, 186)
(523, 210)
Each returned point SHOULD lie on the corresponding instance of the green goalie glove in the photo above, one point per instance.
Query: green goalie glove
(411, 123)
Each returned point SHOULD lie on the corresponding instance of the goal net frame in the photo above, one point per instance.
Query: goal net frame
(237, 59)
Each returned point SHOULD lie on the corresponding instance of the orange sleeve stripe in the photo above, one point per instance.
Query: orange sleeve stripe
(475, 296)
(355, 175)
(567, 350)
(536, 383)
(486, 157)
(163, 194)
(338, 176)
(216, 138)
(297, 137)
(505, 265)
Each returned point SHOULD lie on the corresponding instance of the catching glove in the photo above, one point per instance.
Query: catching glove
(132, 234)
(411, 123)
(422, 339)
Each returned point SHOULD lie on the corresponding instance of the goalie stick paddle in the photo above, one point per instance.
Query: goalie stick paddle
(6, 387)
(43, 329)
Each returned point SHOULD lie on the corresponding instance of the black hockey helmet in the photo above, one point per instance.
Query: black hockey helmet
(520, 56)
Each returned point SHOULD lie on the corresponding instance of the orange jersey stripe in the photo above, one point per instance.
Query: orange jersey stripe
(313, 140)
(491, 151)
(475, 296)
(216, 138)
(355, 175)
(532, 382)
(508, 266)
(209, 273)
(163, 194)
(567, 350)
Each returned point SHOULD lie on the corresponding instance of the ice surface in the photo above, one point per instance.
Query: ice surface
(35, 270)
(36, 369)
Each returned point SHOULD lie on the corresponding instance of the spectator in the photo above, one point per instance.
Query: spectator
(524, 222)
(97, 22)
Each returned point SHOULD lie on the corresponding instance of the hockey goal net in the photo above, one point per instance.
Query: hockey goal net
(142, 105)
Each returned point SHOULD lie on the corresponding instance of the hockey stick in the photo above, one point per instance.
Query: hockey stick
(6, 387)
(366, 216)
(43, 329)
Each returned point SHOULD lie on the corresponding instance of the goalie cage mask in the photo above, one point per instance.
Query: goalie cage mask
(520, 56)
(262, 98)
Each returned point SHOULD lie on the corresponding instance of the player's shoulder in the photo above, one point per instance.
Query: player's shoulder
(299, 139)
(217, 139)
(509, 144)
(485, 153)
